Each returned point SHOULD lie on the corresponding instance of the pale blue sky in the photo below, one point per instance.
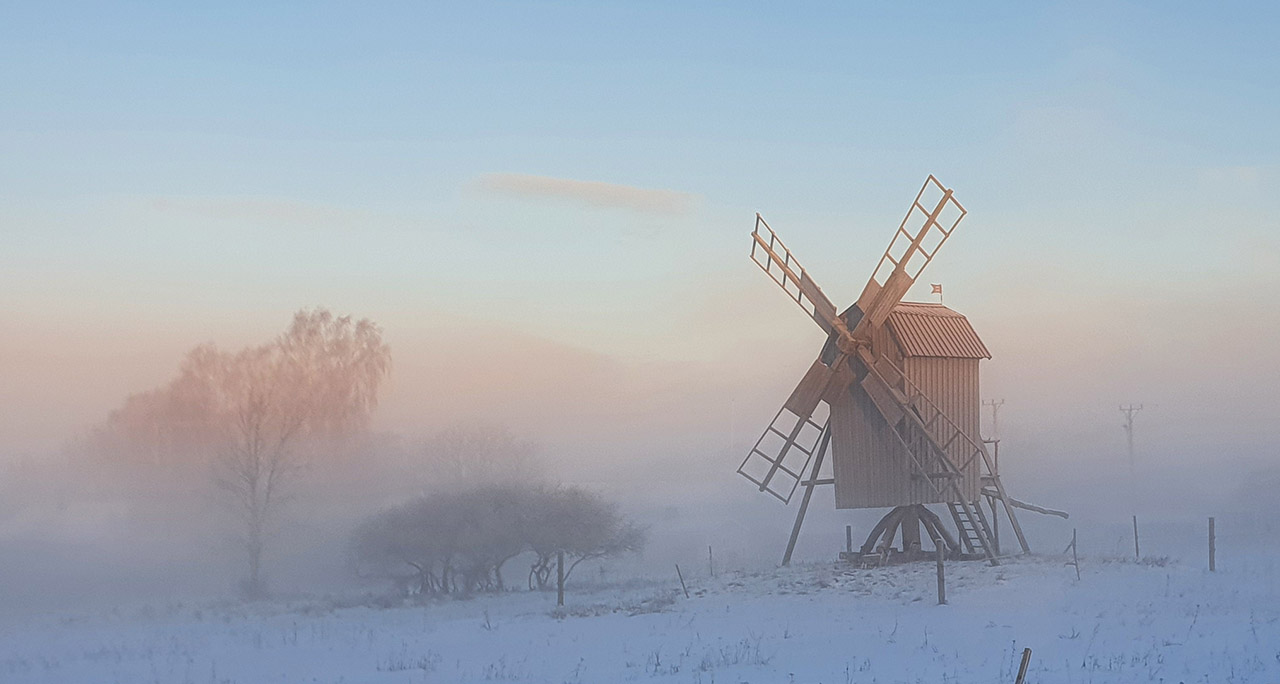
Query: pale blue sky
(171, 174)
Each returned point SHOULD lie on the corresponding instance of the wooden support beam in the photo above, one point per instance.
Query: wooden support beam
(1005, 499)
(891, 517)
(1024, 505)
(937, 530)
(823, 481)
(911, 529)
(823, 443)
(891, 530)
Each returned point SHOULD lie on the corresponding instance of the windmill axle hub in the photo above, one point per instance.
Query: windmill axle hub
(848, 344)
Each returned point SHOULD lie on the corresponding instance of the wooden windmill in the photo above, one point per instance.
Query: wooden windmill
(892, 397)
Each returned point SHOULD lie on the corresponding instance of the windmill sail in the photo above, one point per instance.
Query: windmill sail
(927, 457)
(783, 452)
(933, 216)
(775, 259)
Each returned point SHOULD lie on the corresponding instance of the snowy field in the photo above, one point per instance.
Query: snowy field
(1155, 621)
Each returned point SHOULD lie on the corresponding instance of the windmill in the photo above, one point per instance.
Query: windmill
(892, 397)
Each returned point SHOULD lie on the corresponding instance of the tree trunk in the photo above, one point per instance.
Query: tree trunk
(253, 586)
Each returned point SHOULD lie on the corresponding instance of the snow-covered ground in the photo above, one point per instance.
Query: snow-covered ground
(1123, 621)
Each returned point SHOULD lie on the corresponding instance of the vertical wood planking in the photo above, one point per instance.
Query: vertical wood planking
(871, 469)
(952, 384)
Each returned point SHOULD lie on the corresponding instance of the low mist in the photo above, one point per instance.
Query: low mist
(135, 505)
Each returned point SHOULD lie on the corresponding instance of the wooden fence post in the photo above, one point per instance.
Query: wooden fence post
(848, 538)
(1136, 554)
(1022, 669)
(711, 562)
(560, 578)
(942, 580)
(1213, 546)
(1075, 558)
(682, 585)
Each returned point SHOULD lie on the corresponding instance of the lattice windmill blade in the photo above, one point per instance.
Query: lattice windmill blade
(890, 443)
(775, 259)
(933, 216)
(779, 458)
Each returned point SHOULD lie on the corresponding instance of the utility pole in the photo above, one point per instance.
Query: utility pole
(1129, 412)
(995, 405)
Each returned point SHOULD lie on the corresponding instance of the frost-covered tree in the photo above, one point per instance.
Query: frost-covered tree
(582, 525)
(316, 382)
(255, 417)
(460, 540)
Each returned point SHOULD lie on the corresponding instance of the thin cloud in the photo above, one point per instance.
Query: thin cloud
(590, 193)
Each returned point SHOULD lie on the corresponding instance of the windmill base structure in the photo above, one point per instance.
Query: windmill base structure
(905, 523)
(892, 401)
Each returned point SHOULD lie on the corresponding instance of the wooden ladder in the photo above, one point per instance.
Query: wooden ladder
(969, 526)
(926, 434)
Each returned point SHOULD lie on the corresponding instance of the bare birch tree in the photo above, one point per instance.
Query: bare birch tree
(277, 403)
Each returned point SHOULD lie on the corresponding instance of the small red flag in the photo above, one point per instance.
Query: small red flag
(937, 288)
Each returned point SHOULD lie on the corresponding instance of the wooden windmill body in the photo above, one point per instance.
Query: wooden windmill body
(939, 352)
(892, 399)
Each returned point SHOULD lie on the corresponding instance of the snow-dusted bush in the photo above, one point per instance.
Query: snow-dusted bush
(578, 523)
(459, 542)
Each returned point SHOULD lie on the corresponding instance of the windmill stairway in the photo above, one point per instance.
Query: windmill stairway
(973, 531)
(928, 436)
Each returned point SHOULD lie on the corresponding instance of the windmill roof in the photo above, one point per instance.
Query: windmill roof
(924, 329)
